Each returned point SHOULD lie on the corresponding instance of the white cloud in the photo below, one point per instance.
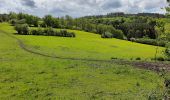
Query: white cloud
(78, 8)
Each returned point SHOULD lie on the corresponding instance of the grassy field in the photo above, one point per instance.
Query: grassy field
(90, 46)
(24, 75)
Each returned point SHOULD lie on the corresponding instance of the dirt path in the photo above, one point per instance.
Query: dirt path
(156, 66)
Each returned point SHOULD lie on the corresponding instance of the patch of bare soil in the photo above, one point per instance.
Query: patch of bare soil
(156, 66)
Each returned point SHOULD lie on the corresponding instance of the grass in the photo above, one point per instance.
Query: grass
(91, 46)
(24, 75)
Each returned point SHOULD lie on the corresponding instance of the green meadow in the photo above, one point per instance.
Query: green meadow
(91, 46)
(25, 75)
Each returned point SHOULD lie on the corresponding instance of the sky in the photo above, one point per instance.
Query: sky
(78, 8)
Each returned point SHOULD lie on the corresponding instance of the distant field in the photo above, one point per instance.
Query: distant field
(90, 46)
(24, 75)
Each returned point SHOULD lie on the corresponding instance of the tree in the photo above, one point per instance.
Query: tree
(101, 29)
(131, 34)
(160, 26)
(167, 51)
(13, 15)
(138, 34)
(56, 23)
(69, 21)
(18, 28)
(168, 8)
(21, 16)
(48, 20)
(62, 22)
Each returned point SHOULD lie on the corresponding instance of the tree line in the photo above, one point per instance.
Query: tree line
(122, 14)
(122, 28)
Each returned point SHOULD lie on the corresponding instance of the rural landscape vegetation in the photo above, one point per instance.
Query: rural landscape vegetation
(113, 56)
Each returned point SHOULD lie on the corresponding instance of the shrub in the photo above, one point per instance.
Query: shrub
(160, 59)
(1, 20)
(132, 39)
(107, 35)
(65, 33)
(37, 32)
(112, 58)
(113, 33)
(118, 34)
(25, 29)
(22, 29)
(154, 42)
(73, 34)
(167, 51)
(40, 31)
(58, 33)
(13, 21)
(52, 32)
(138, 58)
(137, 84)
(49, 31)
(18, 28)
(33, 32)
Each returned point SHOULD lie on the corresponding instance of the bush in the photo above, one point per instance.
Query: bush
(25, 29)
(107, 35)
(160, 59)
(13, 21)
(151, 42)
(112, 58)
(73, 34)
(65, 33)
(138, 58)
(52, 32)
(37, 32)
(113, 33)
(33, 32)
(22, 29)
(118, 34)
(49, 31)
(18, 28)
(167, 51)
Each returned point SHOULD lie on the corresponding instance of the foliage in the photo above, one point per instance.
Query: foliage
(115, 34)
(65, 33)
(50, 21)
(131, 26)
(167, 51)
(51, 32)
(22, 29)
(154, 42)
(107, 35)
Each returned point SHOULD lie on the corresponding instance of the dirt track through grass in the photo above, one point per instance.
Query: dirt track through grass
(147, 65)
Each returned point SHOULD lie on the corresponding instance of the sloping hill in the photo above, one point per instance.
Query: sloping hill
(25, 75)
(90, 46)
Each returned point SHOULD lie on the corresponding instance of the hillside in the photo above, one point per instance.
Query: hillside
(89, 46)
(26, 75)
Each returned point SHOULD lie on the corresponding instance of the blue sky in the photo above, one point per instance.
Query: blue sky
(77, 8)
